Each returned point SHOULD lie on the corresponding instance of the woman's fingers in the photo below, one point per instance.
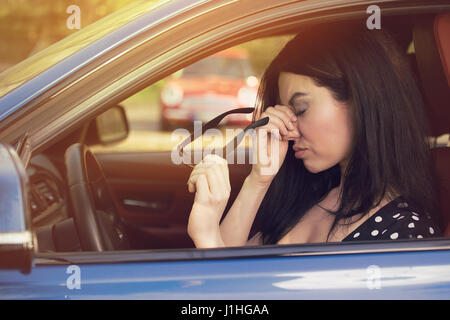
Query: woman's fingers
(200, 169)
(222, 170)
(277, 122)
(288, 114)
(202, 187)
(217, 185)
(282, 118)
(272, 127)
(215, 169)
(191, 184)
(219, 172)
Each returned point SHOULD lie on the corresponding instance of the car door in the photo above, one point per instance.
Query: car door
(153, 197)
(400, 270)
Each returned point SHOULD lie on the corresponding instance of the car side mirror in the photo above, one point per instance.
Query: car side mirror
(109, 127)
(16, 238)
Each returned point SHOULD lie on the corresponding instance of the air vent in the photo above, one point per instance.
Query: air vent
(48, 194)
(44, 194)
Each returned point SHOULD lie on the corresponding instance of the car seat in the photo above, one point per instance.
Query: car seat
(432, 50)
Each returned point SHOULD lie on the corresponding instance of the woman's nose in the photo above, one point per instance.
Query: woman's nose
(296, 127)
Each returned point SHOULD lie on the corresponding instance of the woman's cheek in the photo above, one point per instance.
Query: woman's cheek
(327, 140)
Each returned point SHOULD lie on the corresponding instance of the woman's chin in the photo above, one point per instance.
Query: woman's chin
(311, 167)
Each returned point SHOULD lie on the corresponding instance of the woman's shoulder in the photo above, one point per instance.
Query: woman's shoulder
(399, 219)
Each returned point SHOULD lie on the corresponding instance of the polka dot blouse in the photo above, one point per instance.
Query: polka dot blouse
(398, 219)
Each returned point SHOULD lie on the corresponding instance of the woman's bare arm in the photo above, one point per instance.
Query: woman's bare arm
(212, 185)
(236, 226)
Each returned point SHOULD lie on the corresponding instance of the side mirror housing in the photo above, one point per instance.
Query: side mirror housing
(109, 127)
(16, 238)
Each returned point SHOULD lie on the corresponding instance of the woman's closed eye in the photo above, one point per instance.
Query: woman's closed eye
(300, 107)
(299, 112)
(298, 103)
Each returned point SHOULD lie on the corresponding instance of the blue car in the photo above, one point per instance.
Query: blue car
(86, 212)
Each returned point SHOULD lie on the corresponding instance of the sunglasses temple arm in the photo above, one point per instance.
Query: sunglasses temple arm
(233, 144)
(211, 124)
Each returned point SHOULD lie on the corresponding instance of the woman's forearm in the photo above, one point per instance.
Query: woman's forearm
(236, 225)
(214, 241)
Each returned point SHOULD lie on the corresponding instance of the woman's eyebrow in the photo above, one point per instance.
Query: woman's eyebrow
(296, 95)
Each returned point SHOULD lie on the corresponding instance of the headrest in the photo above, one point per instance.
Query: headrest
(441, 159)
(432, 49)
(441, 31)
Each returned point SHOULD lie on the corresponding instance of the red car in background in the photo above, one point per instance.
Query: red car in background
(209, 87)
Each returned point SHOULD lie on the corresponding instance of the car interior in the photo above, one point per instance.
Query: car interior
(83, 200)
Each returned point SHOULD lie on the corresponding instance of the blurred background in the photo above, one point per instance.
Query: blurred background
(201, 91)
(28, 26)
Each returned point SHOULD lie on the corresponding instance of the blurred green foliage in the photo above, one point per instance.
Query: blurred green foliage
(262, 51)
(28, 26)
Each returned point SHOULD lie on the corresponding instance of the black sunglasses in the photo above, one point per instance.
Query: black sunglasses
(232, 145)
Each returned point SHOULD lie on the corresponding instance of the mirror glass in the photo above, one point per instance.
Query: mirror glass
(112, 125)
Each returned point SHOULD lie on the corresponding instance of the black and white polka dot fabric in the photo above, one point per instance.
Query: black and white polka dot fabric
(398, 219)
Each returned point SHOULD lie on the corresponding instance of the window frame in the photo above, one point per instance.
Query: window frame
(141, 79)
(244, 252)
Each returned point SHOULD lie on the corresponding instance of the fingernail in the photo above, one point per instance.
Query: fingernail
(294, 118)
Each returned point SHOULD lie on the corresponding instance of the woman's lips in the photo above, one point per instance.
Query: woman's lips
(299, 151)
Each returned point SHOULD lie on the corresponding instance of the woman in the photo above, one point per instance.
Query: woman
(354, 162)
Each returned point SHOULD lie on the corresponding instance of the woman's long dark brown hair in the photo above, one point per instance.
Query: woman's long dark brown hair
(367, 70)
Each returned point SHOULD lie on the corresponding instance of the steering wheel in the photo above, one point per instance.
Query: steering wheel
(99, 226)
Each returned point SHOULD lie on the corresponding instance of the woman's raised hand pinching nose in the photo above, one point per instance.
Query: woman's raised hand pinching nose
(211, 183)
(283, 123)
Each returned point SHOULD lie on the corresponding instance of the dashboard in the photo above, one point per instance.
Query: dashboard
(48, 194)
(51, 220)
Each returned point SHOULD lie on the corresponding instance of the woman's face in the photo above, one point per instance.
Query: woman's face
(323, 122)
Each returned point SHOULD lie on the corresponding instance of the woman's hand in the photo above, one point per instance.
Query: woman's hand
(271, 153)
(211, 183)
